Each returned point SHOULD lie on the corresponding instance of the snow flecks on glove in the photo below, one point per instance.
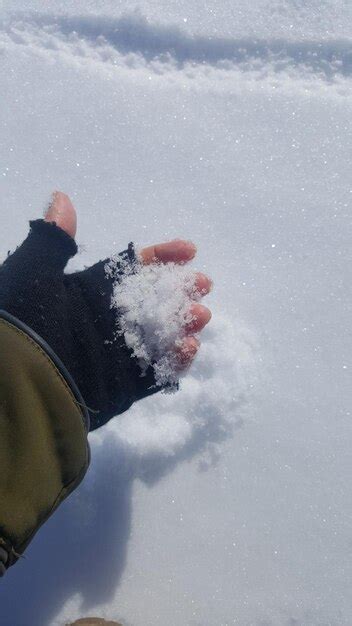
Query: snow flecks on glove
(153, 303)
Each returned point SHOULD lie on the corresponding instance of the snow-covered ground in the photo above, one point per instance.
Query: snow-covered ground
(230, 501)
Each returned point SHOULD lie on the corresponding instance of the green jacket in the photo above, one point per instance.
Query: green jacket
(44, 452)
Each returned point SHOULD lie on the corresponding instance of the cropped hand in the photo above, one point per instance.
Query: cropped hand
(72, 312)
(63, 213)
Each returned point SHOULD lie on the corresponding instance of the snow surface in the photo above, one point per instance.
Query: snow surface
(228, 124)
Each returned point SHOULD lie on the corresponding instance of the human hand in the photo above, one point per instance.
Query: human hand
(72, 313)
(63, 359)
(62, 212)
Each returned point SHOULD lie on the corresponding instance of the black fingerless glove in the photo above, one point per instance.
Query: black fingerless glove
(72, 314)
(63, 369)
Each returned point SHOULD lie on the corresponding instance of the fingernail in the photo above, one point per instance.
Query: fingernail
(192, 245)
(188, 242)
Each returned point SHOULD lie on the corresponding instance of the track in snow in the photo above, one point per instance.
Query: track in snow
(107, 40)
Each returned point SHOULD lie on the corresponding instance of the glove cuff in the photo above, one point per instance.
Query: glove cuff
(50, 243)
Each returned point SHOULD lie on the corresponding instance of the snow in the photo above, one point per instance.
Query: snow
(153, 307)
(228, 502)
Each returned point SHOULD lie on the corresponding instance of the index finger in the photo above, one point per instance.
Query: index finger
(177, 251)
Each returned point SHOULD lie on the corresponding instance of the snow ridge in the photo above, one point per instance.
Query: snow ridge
(115, 40)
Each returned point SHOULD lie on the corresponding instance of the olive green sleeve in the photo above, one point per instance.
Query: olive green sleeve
(44, 453)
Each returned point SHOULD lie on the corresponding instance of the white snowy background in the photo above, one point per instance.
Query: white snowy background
(228, 123)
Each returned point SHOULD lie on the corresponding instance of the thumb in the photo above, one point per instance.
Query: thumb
(50, 242)
(62, 212)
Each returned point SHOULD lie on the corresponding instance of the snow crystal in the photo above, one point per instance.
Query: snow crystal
(153, 304)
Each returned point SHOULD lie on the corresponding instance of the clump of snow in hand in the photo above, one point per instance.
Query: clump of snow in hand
(153, 303)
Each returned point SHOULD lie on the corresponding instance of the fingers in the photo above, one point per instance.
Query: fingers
(62, 212)
(186, 350)
(203, 284)
(181, 251)
(198, 316)
(177, 251)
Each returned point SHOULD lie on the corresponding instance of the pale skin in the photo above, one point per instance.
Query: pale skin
(62, 212)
